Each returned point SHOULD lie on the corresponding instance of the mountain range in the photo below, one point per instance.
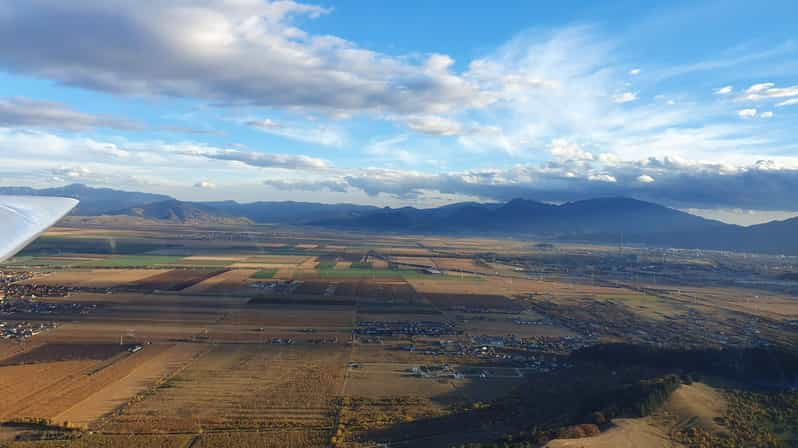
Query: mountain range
(595, 220)
(93, 201)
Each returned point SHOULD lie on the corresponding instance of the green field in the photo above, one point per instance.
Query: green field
(160, 261)
(359, 273)
(386, 273)
(136, 261)
(326, 265)
(44, 261)
(627, 298)
(264, 274)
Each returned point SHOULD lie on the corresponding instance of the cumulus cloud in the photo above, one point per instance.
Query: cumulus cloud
(767, 114)
(645, 179)
(242, 52)
(677, 182)
(746, 113)
(565, 150)
(625, 97)
(30, 113)
(634, 71)
(725, 90)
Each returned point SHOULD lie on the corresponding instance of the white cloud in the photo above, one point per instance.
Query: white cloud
(335, 185)
(65, 172)
(746, 113)
(231, 52)
(634, 71)
(121, 162)
(563, 149)
(31, 113)
(435, 125)
(602, 178)
(625, 97)
(645, 179)
(264, 160)
(725, 90)
(320, 135)
(790, 102)
(767, 114)
(768, 90)
(205, 184)
(756, 88)
(765, 185)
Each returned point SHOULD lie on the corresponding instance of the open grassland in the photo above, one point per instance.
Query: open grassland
(244, 387)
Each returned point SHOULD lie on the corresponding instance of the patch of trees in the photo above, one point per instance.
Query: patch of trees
(752, 419)
(752, 365)
(575, 404)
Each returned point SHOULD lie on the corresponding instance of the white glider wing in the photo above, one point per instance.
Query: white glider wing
(24, 218)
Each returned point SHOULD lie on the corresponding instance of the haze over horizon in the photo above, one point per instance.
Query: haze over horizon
(691, 105)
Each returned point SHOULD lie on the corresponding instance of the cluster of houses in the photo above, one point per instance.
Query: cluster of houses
(33, 291)
(517, 369)
(537, 354)
(277, 287)
(405, 328)
(8, 278)
(23, 330)
(27, 306)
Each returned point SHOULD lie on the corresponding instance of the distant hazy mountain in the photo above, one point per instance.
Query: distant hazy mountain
(93, 201)
(775, 237)
(289, 212)
(598, 220)
(175, 211)
(611, 216)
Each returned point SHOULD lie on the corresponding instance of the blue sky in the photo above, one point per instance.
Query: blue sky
(689, 104)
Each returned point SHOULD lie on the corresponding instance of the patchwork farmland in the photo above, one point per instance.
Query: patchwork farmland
(300, 339)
